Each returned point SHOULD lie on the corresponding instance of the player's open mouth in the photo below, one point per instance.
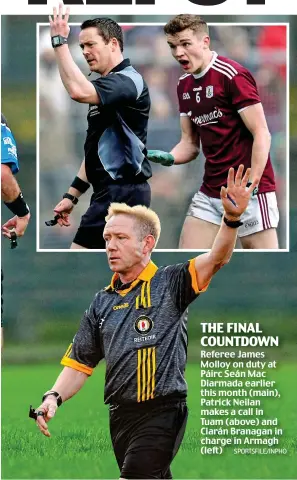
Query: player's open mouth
(185, 64)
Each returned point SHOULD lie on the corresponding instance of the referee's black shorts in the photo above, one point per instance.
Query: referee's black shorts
(90, 231)
(146, 437)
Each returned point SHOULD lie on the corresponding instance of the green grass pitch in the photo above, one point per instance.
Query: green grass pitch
(80, 447)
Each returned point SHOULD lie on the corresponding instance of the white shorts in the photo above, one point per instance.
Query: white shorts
(261, 213)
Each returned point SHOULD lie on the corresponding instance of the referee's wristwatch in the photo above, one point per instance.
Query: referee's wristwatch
(58, 40)
(54, 394)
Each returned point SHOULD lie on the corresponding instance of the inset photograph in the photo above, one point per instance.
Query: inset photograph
(156, 115)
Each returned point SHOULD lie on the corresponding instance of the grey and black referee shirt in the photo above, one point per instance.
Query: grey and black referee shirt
(115, 146)
(141, 332)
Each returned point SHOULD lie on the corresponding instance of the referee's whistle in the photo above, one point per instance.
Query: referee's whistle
(54, 221)
(13, 240)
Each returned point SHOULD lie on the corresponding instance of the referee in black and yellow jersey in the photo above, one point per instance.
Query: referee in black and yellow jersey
(138, 324)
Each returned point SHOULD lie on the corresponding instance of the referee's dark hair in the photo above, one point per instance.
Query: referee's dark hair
(107, 29)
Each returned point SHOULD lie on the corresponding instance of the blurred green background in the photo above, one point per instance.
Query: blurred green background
(45, 295)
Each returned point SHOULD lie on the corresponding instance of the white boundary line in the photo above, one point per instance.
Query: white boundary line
(160, 250)
(37, 139)
(288, 138)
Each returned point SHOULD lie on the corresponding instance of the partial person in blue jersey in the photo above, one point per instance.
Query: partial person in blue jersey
(10, 190)
(115, 162)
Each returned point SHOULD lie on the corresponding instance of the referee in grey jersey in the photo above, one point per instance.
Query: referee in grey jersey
(138, 324)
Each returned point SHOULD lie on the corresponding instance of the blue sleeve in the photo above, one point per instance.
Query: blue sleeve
(9, 154)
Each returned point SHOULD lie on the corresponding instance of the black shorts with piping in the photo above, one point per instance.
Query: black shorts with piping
(90, 231)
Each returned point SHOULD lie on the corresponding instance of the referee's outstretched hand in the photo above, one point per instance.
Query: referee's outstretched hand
(45, 412)
(59, 22)
(64, 208)
(236, 196)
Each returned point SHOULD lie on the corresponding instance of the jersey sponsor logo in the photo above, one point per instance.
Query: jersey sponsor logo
(208, 118)
(12, 150)
(186, 96)
(119, 307)
(209, 91)
(143, 325)
(144, 339)
(7, 141)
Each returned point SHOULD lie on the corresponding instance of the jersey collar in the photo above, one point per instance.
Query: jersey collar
(120, 66)
(201, 74)
(146, 275)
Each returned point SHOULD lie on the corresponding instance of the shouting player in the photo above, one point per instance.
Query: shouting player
(221, 108)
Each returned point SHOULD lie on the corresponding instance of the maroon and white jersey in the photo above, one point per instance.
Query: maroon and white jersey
(213, 100)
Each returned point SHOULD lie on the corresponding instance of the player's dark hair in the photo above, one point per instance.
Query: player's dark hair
(107, 29)
(184, 21)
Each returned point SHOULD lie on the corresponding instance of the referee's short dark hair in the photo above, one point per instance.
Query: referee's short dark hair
(107, 29)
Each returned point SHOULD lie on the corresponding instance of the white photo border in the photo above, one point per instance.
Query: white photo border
(160, 250)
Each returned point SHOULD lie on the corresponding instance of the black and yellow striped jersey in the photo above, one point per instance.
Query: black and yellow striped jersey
(141, 332)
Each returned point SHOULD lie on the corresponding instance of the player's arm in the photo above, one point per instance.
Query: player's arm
(245, 98)
(209, 263)
(13, 199)
(79, 186)
(185, 151)
(188, 147)
(10, 189)
(254, 119)
(76, 84)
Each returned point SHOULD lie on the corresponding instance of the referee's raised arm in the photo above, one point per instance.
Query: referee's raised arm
(235, 200)
(116, 164)
(76, 84)
(80, 89)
